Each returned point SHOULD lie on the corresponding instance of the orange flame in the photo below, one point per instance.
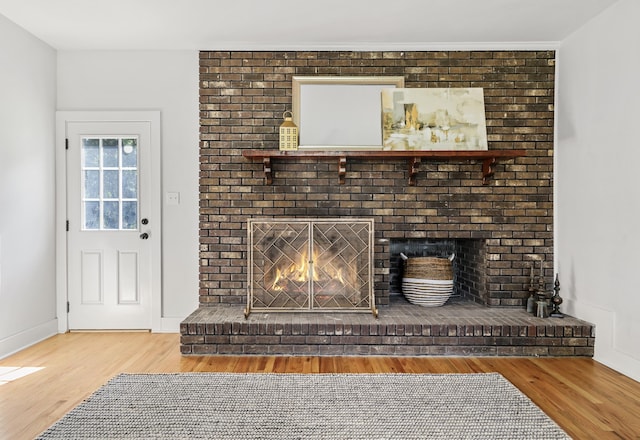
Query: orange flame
(301, 270)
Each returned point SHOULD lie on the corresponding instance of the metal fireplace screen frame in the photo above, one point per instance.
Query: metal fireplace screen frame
(310, 265)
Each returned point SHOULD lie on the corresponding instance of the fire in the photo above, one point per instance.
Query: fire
(304, 269)
(297, 271)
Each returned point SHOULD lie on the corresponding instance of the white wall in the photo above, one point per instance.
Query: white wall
(152, 80)
(598, 194)
(27, 195)
(598, 189)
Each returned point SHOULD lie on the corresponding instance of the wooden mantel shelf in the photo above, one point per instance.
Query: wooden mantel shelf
(489, 159)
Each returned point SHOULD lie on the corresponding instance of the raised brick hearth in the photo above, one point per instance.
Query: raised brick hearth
(461, 328)
(504, 226)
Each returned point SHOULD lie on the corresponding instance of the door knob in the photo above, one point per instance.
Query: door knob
(144, 221)
(144, 236)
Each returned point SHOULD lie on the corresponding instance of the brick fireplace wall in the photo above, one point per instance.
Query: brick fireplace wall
(242, 98)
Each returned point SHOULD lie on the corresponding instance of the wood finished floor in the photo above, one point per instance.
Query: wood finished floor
(587, 399)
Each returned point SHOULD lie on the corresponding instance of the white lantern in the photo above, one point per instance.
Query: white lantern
(288, 133)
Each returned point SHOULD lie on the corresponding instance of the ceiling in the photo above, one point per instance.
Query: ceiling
(299, 25)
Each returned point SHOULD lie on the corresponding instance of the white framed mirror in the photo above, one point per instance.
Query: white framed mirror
(340, 112)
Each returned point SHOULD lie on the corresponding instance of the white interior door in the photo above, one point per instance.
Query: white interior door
(110, 227)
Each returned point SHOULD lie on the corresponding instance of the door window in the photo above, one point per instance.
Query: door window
(110, 183)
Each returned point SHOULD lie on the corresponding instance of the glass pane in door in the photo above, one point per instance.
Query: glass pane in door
(110, 183)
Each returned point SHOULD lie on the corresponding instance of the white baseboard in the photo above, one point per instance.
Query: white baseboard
(606, 349)
(168, 325)
(14, 343)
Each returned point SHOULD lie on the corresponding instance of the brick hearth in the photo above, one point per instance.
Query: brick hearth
(460, 328)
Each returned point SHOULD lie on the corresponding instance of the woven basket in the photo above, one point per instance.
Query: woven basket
(429, 268)
(427, 281)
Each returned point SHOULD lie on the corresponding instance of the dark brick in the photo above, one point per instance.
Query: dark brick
(575, 342)
(243, 95)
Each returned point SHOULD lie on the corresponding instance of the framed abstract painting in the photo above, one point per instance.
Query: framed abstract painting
(433, 119)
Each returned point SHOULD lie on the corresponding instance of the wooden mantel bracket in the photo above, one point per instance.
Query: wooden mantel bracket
(488, 168)
(414, 164)
(342, 169)
(268, 175)
(489, 159)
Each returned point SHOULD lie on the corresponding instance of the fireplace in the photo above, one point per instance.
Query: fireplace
(469, 264)
(310, 265)
(243, 95)
(327, 264)
(506, 225)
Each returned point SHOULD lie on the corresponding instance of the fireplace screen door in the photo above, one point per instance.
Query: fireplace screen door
(310, 265)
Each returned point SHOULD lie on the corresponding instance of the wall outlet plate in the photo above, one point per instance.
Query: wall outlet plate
(172, 198)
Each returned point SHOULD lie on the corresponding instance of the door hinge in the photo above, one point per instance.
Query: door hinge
(67, 225)
(66, 143)
(68, 307)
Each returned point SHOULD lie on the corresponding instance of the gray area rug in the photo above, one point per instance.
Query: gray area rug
(306, 406)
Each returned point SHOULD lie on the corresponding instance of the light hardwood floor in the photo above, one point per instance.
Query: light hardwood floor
(587, 399)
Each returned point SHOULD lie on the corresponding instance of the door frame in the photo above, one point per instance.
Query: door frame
(62, 119)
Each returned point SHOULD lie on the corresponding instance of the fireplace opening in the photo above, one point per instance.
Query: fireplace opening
(310, 264)
(469, 264)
